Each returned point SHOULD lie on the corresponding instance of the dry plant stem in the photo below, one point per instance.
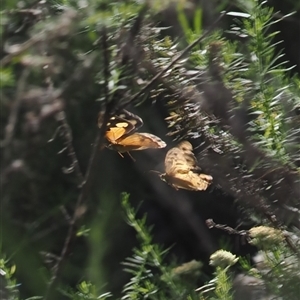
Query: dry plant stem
(67, 134)
(171, 64)
(85, 183)
(106, 57)
(211, 224)
(22, 48)
(258, 203)
(271, 217)
(13, 117)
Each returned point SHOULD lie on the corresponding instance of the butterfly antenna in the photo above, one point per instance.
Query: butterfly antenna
(161, 175)
(154, 171)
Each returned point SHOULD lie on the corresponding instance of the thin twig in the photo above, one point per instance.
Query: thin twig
(22, 48)
(13, 117)
(106, 58)
(272, 218)
(85, 184)
(66, 132)
(211, 224)
(61, 28)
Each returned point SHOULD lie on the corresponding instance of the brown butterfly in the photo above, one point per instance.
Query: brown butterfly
(182, 171)
(121, 133)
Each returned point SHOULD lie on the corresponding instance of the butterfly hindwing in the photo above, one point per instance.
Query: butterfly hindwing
(175, 162)
(133, 119)
(189, 181)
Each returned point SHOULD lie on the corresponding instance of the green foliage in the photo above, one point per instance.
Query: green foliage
(75, 60)
(220, 287)
(8, 283)
(145, 258)
(190, 33)
(223, 285)
(278, 268)
(256, 75)
(86, 291)
(151, 277)
(7, 78)
(265, 78)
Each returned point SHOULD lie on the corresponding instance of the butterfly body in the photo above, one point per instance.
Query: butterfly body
(121, 133)
(182, 171)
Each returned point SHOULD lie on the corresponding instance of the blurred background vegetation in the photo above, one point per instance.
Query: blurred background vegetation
(235, 95)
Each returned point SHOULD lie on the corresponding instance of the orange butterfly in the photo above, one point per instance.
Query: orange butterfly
(182, 171)
(121, 133)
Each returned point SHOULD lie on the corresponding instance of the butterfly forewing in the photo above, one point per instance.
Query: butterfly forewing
(175, 162)
(116, 131)
(135, 120)
(187, 149)
(122, 116)
(120, 125)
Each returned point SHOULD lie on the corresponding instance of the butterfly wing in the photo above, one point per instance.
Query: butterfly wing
(175, 162)
(181, 167)
(187, 149)
(116, 131)
(138, 141)
(185, 146)
(120, 125)
(192, 181)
